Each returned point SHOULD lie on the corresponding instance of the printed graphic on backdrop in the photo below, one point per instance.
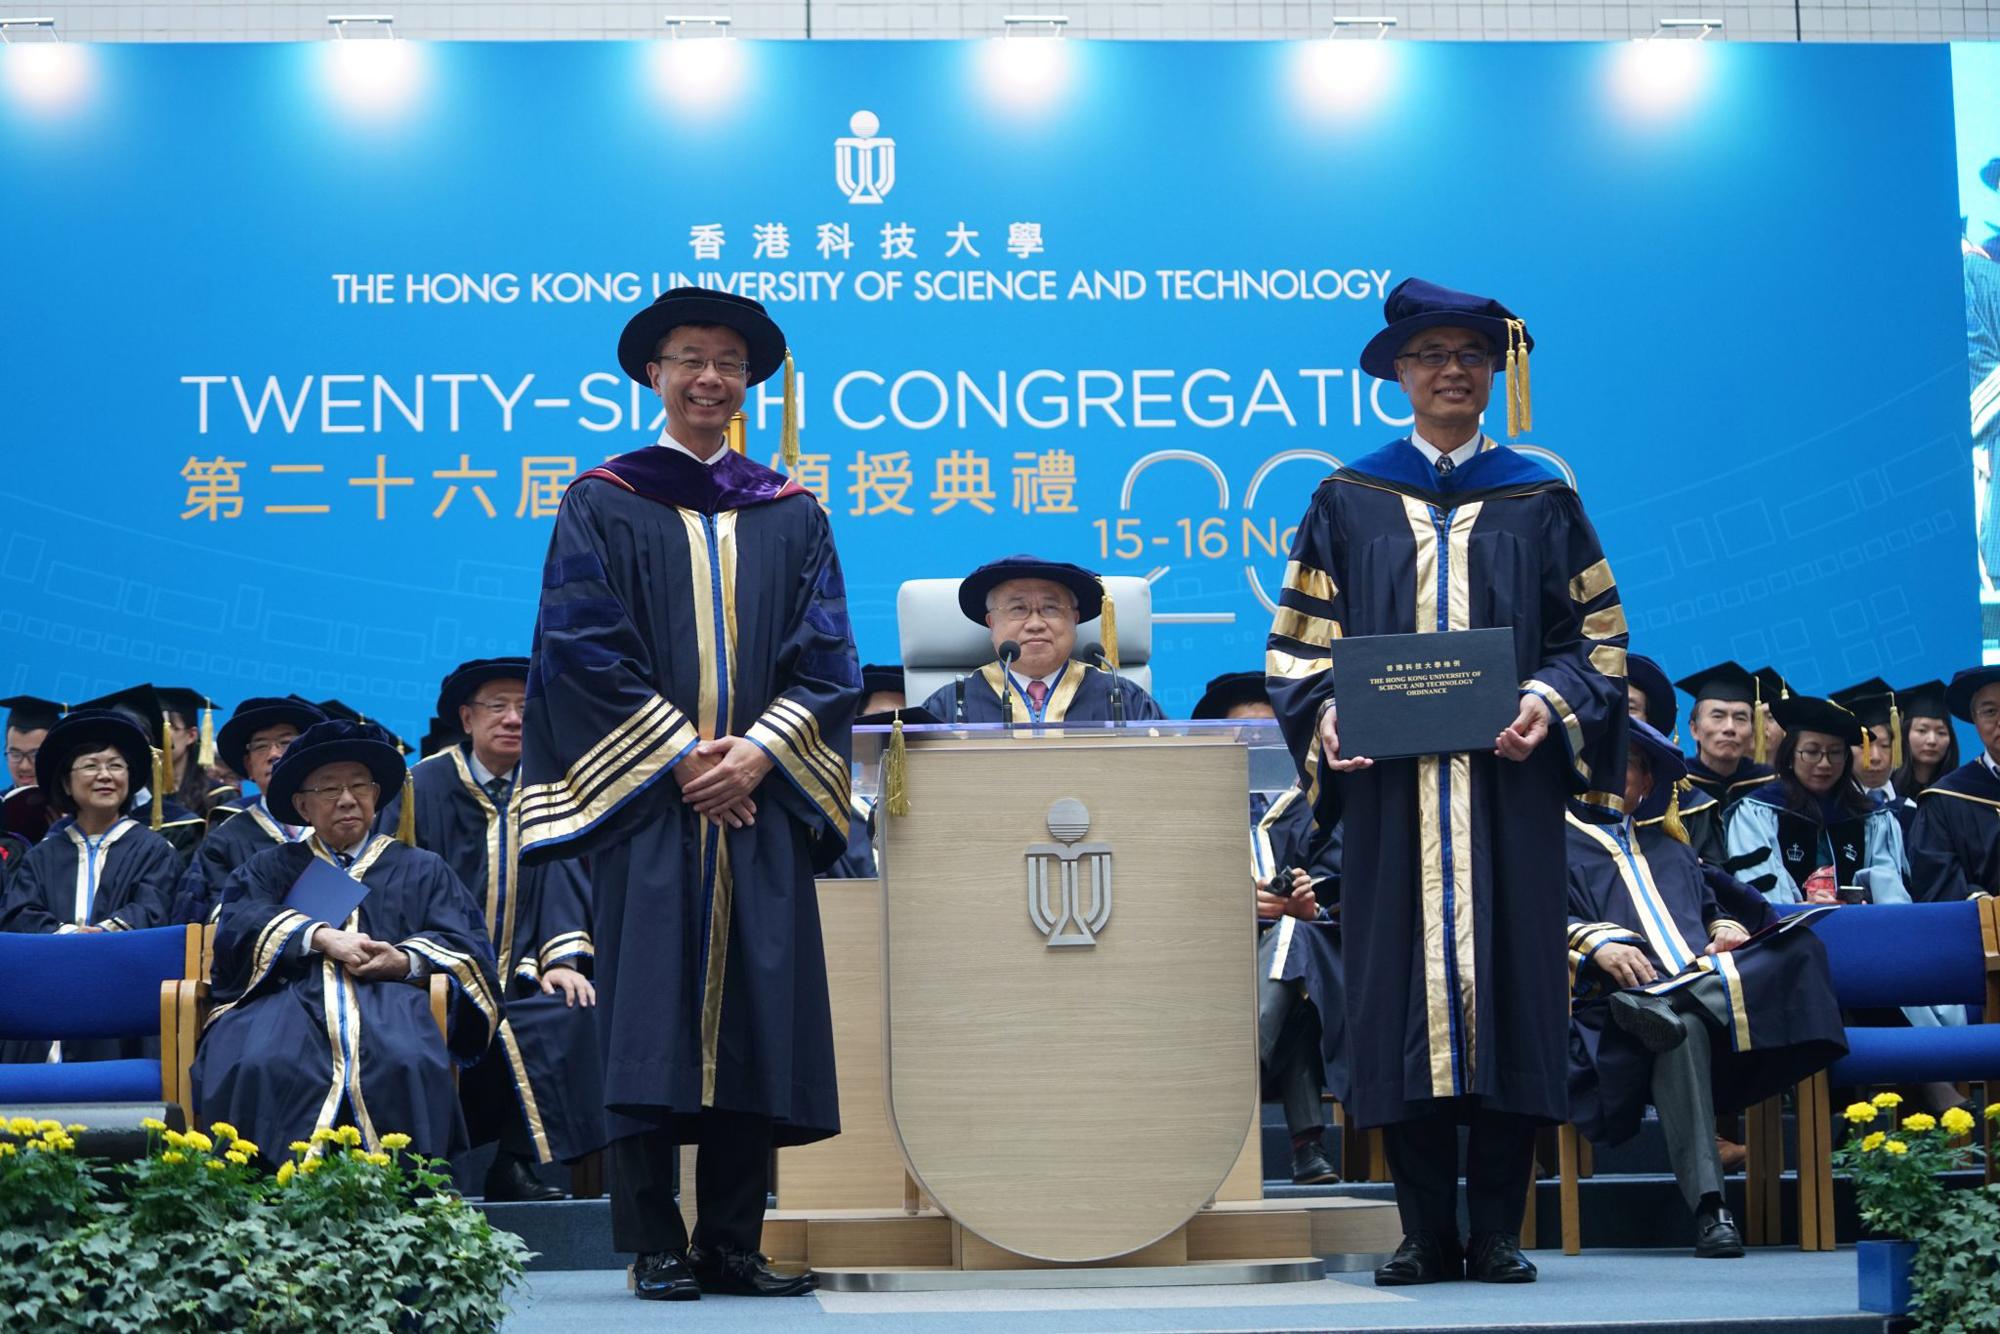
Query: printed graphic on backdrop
(308, 339)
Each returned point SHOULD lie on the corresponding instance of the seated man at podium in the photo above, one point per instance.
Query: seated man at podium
(1032, 607)
(1301, 1017)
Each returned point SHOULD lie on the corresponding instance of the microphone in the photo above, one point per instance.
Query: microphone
(1009, 654)
(1094, 654)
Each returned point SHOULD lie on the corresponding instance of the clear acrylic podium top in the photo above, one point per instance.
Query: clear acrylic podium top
(1271, 767)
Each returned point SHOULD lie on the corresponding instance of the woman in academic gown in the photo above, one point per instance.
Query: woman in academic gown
(98, 869)
(1930, 743)
(322, 1013)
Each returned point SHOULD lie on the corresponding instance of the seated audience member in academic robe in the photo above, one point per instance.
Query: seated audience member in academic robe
(1037, 605)
(154, 803)
(322, 1014)
(1301, 1016)
(1955, 840)
(1880, 754)
(1930, 744)
(190, 721)
(1727, 728)
(539, 1090)
(98, 869)
(1676, 1005)
(25, 814)
(882, 697)
(251, 743)
(1650, 695)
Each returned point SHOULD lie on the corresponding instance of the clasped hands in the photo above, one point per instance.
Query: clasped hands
(717, 778)
(365, 958)
(1628, 966)
(1517, 740)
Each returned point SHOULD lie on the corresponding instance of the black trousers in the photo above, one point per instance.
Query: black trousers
(1499, 1164)
(732, 1179)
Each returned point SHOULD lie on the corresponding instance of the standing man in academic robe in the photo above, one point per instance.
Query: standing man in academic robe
(690, 709)
(251, 743)
(539, 1090)
(1452, 888)
(1032, 607)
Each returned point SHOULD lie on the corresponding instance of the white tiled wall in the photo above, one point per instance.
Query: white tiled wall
(1812, 20)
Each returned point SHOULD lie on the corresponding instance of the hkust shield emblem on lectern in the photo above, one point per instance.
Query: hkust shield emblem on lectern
(1069, 882)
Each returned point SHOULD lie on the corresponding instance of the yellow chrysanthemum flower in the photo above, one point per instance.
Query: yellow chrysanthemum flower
(173, 1156)
(1993, 1111)
(61, 1140)
(22, 1125)
(1920, 1121)
(397, 1140)
(326, 1135)
(75, 1129)
(1958, 1121)
(6, 1151)
(349, 1136)
(286, 1170)
(224, 1129)
(245, 1146)
(1860, 1113)
(1888, 1100)
(301, 1146)
(215, 1165)
(152, 1123)
(379, 1159)
(1873, 1142)
(309, 1166)
(46, 1126)
(1895, 1146)
(200, 1141)
(176, 1139)
(240, 1159)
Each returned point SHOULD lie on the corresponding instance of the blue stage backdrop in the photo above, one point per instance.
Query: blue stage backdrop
(302, 342)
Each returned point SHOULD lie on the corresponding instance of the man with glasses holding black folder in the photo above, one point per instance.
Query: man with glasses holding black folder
(1453, 894)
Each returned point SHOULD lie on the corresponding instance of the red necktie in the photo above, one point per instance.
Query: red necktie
(1038, 694)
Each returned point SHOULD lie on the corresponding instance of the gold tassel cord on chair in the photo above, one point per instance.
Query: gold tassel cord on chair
(788, 431)
(406, 819)
(1110, 630)
(205, 757)
(159, 786)
(1672, 824)
(895, 771)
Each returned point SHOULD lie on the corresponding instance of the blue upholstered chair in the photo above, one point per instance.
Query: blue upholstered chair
(111, 984)
(1882, 957)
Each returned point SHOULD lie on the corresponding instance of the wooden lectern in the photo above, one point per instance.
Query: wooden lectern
(1045, 1028)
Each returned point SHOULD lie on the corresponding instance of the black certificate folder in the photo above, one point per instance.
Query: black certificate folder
(1436, 694)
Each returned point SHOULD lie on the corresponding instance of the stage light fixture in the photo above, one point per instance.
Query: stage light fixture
(377, 26)
(677, 25)
(13, 28)
(1347, 23)
(1689, 29)
(1034, 25)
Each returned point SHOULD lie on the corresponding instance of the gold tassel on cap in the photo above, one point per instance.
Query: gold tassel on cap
(1895, 735)
(159, 786)
(1672, 824)
(1757, 721)
(1867, 748)
(895, 773)
(1520, 404)
(737, 433)
(205, 757)
(788, 432)
(167, 775)
(1110, 629)
(406, 819)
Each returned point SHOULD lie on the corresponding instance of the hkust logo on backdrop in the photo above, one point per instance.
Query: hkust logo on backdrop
(864, 160)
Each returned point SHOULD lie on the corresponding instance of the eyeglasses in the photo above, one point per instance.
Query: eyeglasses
(110, 768)
(500, 708)
(1013, 613)
(1985, 713)
(1472, 358)
(268, 747)
(22, 756)
(728, 370)
(339, 790)
(1813, 755)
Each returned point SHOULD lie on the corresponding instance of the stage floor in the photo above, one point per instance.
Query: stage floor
(1628, 1291)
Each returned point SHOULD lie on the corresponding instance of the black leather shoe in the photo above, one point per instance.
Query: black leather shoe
(1716, 1237)
(1311, 1165)
(1495, 1257)
(745, 1274)
(1424, 1257)
(662, 1276)
(1649, 1019)
(511, 1181)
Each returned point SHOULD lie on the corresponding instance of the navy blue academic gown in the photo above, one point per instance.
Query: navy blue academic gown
(681, 602)
(1308, 952)
(122, 882)
(544, 1058)
(858, 861)
(294, 1044)
(1954, 844)
(1452, 902)
(1082, 694)
(230, 844)
(1640, 887)
(1730, 789)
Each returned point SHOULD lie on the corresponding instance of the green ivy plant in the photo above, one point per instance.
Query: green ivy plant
(196, 1236)
(1955, 1279)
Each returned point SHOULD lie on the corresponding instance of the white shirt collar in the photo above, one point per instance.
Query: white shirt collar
(480, 773)
(1049, 680)
(1991, 767)
(354, 853)
(667, 441)
(1432, 453)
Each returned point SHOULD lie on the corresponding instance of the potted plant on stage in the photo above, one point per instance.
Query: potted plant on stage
(1897, 1166)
